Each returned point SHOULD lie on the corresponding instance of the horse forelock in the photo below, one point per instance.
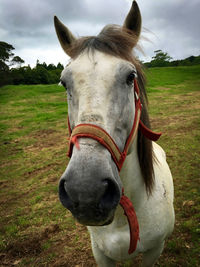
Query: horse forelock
(119, 42)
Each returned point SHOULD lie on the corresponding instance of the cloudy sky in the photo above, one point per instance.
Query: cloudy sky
(170, 25)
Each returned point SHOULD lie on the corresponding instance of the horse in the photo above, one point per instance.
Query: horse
(115, 166)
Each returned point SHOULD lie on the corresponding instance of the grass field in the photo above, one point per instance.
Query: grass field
(35, 230)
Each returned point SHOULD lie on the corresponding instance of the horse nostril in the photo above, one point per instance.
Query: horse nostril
(63, 195)
(65, 186)
(111, 195)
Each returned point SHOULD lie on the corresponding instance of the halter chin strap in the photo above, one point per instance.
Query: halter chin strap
(97, 133)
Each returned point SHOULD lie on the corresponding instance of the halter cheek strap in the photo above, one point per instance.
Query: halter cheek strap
(97, 133)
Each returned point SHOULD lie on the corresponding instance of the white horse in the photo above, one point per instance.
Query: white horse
(104, 114)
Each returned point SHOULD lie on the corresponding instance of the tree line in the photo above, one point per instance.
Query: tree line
(162, 59)
(12, 72)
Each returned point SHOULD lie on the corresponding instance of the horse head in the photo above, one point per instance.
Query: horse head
(100, 91)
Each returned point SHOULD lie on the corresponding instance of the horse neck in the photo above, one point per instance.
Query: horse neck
(132, 178)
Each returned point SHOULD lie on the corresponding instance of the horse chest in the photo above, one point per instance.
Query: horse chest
(112, 241)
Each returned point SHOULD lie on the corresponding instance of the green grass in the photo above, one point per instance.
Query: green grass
(173, 76)
(35, 230)
(25, 109)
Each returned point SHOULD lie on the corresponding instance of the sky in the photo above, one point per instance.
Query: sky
(170, 25)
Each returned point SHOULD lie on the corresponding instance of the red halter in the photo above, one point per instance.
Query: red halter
(97, 133)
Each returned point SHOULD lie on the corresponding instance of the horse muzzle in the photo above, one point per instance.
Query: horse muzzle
(90, 187)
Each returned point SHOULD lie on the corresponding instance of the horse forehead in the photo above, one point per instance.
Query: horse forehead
(97, 63)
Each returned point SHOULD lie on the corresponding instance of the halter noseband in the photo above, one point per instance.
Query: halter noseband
(97, 133)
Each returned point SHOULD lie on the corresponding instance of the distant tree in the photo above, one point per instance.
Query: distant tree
(17, 75)
(192, 60)
(5, 51)
(5, 54)
(41, 75)
(51, 67)
(44, 64)
(60, 66)
(160, 59)
(17, 61)
(7, 59)
(3, 66)
(54, 76)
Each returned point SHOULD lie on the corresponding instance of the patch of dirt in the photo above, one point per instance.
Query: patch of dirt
(166, 122)
(28, 246)
(44, 133)
(70, 248)
(77, 249)
(21, 248)
(185, 104)
(162, 88)
(3, 184)
(46, 139)
(41, 169)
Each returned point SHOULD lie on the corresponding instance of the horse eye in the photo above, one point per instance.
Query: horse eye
(130, 78)
(63, 83)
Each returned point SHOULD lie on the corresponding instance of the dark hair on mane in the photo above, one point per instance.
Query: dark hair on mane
(119, 42)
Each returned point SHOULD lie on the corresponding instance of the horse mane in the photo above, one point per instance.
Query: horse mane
(119, 42)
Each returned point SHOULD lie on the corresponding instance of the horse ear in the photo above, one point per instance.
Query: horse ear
(65, 37)
(133, 20)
